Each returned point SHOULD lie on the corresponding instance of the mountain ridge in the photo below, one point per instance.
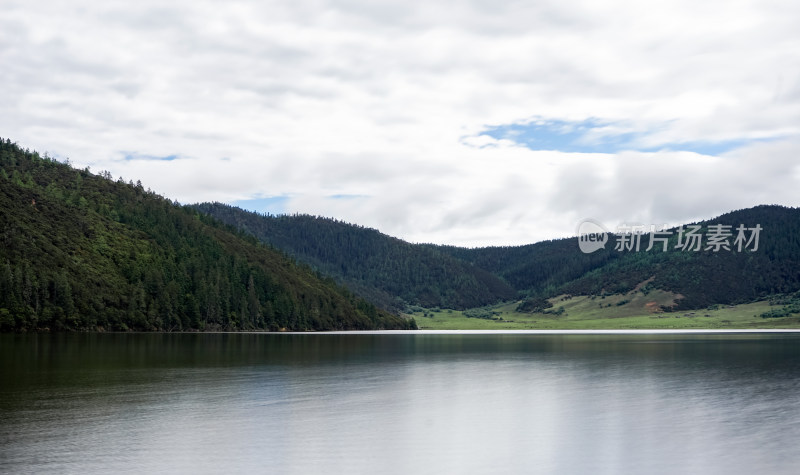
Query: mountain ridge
(385, 269)
(548, 268)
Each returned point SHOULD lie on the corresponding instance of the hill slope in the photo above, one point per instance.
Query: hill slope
(81, 252)
(384, 269)
(380, 267)
(703, 277)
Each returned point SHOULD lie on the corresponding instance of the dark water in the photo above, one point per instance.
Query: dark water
(400, 403)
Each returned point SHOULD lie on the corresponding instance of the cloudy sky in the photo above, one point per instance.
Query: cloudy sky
(469, 123)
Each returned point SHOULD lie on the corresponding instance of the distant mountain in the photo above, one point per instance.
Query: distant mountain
(79, 251)
(384, 269)
(703, 278)
(540, 268)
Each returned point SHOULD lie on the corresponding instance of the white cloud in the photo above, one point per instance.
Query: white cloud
(310, 99)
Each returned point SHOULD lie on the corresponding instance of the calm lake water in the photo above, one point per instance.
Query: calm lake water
(400, 403)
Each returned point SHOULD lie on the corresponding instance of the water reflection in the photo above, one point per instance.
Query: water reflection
(377, 403)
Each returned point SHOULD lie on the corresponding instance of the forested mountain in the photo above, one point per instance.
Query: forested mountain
(706, 277)
(384, 269)
(380, 267)
(541, 268)
(79, 251)
(703, 277)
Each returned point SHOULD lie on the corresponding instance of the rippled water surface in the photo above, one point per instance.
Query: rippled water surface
(400, 403)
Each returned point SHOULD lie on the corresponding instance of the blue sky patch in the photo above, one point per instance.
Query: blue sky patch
(266, 205)
(564, 136)
(596, 136)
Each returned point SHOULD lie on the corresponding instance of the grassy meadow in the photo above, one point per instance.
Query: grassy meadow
(635, 310)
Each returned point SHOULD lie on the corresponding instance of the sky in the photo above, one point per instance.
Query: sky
(470, 123)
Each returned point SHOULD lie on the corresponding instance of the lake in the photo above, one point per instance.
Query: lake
(401, 403)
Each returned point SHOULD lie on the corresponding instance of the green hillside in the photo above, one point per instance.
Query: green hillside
(702, 278)
(79, 251)
(384, 269)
